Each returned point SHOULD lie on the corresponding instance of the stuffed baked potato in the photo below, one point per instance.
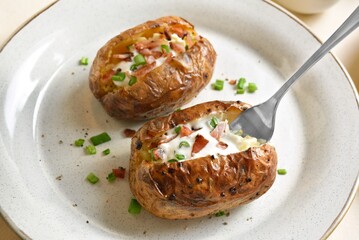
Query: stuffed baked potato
(189, 164)
(151, 69)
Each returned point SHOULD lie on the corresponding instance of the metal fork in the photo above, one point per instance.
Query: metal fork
(259, 120)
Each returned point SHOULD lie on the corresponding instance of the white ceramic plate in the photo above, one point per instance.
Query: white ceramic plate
(46, 104)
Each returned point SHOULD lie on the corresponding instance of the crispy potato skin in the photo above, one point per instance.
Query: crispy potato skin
(202, 186)
(160, 91)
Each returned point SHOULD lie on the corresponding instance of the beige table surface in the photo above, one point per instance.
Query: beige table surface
(15, 13)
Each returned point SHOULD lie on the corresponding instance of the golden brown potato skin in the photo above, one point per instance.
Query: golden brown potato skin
(202, 186)
(163, 89)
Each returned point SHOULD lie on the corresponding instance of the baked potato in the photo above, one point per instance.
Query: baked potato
(151, 69)
(189, 164)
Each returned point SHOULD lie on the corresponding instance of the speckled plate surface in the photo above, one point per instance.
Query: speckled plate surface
(46, 104)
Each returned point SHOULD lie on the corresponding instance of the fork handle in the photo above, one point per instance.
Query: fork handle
(346, 28)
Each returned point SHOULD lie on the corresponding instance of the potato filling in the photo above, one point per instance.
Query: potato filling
(200, 138)
(146, 54)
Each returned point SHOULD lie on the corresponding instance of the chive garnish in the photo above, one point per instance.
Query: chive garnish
(84, 61)
(152, 154)
(79, 142)
(178, 129)
(282, 171)
(241, 82)
(218, 85)
(119, 76)
(252, 87)
(135, 207)
(240, 91)
(132, 81)
(180, 156)
(133, 67)
(213, 122)
(90, 149)
(101, 138)
(139, 59)
(172, 160)
(166, 48)
(184, 144)
(92, 178)
(219, 214)
(106, 151)
(111, 177)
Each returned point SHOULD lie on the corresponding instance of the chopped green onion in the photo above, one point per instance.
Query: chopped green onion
(79, 142)
(133, 67)
(172, 160)
(184, 144)
(240, 91)
(180, 156)
(152, 154)
(282, 171)
(166, 48)
(241, 82)
(178, 129)
(132, 81)
(116, 78)
(111, 177)
(90, 149)
(92, 178)
(178, 109)
(139, 59)
(84, 61)
(219, 214)
(101, 138)
(252, 87)
(135, 207)
(218, 85)
(106, 151)
(119, 76)
(213, 122)
(186, 47)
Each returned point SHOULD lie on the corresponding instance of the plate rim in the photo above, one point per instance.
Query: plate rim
(355, 187)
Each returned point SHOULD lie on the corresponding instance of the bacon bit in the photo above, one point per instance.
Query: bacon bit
(123, 56)
(148, 44)
(220, 129)
(199, 143)
(167, 34)
(185, 131)
(119, 172)
(232, 82)
(179, 31)
(178, 47)
(145, 52)
(157, 54)
(129, 133)
(222, 145)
